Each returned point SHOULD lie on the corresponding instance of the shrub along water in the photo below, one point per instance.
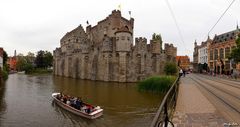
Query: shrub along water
(157, 84)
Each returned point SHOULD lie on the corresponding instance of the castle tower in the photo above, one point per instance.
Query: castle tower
(123, 40)
(123, 46)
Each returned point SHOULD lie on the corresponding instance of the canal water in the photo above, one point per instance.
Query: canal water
(25, 101)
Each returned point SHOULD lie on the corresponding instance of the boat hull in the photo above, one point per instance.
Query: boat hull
(93, 115)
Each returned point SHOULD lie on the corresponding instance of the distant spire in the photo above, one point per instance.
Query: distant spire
(15, 53)
(208, 39)
(237, 25)
(195, 43)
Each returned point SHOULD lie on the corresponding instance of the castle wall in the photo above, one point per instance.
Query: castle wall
(106, 53)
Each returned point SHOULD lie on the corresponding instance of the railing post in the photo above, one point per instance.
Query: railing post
(166, 113)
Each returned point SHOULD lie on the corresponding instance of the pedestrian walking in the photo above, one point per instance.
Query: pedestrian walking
(180, 72)
(235, 73)
(184, 73)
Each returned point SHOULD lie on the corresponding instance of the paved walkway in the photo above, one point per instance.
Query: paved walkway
(193, 108)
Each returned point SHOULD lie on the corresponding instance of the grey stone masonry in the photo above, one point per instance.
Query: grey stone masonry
(106, 52)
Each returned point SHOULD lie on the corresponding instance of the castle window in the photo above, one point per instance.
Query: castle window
(128, 38)
(117, 38)
(123, 37)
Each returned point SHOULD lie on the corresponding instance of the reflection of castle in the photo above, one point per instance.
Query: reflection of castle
(105, 52)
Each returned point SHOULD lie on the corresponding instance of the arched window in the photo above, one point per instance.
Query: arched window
(221, 53)
(227, 52)
(211, 54)
(215, 54)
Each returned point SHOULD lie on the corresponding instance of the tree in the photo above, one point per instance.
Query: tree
(156, 37)
(43, 59)
(5, 57)
(235, 54)
(39, 59)
(48, 59)
(21, 63)
(170, 68)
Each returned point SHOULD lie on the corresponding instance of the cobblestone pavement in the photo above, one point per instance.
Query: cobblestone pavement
(193, 108)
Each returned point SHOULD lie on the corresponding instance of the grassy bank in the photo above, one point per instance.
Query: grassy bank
(156, 84)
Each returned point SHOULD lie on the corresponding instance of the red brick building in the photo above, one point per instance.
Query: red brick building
(12, 62)
(183, 62)
(219, 50)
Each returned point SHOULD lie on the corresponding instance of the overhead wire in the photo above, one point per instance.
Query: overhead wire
(176, 23)
(221, 16)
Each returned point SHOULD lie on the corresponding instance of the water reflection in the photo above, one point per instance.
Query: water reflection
(28, 102)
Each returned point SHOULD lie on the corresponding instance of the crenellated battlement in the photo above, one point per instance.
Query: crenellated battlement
(140, 40)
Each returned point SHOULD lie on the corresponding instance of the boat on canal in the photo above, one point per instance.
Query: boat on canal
(95, 112)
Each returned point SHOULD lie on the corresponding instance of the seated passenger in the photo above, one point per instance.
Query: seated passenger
(68, 102)
(78, 104)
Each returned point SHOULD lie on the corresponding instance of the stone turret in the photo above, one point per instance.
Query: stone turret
(170, 50)
(155, 46)
(140, 45)
(123, 40)
(156, 43)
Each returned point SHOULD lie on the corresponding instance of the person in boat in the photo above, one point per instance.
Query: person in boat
(59, 96)
(65, 99)
(78, 104)
(89, 109)
(68, 102)
(71, 101)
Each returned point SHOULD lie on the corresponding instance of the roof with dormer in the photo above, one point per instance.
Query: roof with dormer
(226, 36)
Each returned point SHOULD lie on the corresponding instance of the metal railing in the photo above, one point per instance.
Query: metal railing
(167, 107)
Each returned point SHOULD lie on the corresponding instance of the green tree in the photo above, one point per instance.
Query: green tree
(5, 57)
(48, 59)
(21, 63)
(235, 54)
(43, 59)
(24, 63)
(5, 70)
(170, 68)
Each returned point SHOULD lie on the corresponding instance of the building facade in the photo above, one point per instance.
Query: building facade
(195, 57)
(219, 51)
(183, 62)
(202, 53)
(12, 62)
(106, 52)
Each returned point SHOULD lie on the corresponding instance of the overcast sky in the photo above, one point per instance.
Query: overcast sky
(32, 25)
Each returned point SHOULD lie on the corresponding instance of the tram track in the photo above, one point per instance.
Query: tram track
(219, 88)
(218, 96)
(222, 81)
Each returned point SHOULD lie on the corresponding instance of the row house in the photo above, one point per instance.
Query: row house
(215, 53)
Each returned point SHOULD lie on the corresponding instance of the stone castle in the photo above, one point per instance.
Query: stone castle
(106, 52)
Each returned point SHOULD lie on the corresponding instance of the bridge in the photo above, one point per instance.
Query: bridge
(202, 100)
